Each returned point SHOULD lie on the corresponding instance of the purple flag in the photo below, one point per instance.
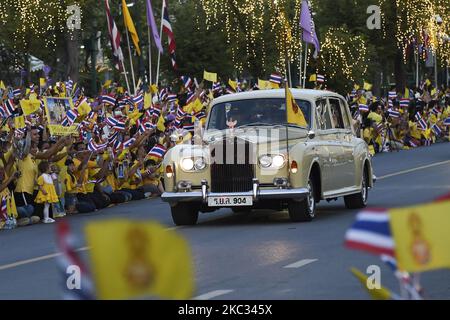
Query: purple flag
(152, 25)
(307, 25)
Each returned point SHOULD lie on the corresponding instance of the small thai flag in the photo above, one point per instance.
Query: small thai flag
(17, 92)
(371, 232)
(157, 151)
(189, 127)
(379, 128)
(138, 99)
(171, 97)
(129, 143)
(216, 86)
(320, 78)
(107, 99)
(392, 95)
(93, 147)
(404, 103)
(437, 130)
(363, 107)
(113, 137)
(190, 97)
(390, 103)
(110, 121)
(394, 113)
(420, 121)
(180, 113)
(69, 85)
(427, 142)
(65, 122)
(71, 116)
(413, 143)
(276, 78)
(447, 122)
(187, 81)
(390, 261)
(9, 107)
(435, 111)
(4, 210)
(117, 144)
(163, 95)
(200, 115)
(119, 125)
(156, 112)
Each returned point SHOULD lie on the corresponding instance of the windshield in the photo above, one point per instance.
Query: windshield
(235, 114)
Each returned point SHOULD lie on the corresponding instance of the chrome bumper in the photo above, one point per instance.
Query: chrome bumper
(256, 193)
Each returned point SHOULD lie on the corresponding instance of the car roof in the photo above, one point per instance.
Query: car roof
(307, 94)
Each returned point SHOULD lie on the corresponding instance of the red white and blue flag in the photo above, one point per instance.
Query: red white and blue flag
(157, 151)
(371, 232)
(114, 37)
(167, 29)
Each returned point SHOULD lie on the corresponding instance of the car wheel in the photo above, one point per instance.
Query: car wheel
(358, 200)
(185, 213)
(305, 210)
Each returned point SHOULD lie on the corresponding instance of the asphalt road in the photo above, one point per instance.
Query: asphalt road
(254, 256)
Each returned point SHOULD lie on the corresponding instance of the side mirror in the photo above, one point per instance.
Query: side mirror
(311, 134)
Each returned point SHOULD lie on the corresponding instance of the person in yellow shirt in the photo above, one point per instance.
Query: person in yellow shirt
(47, 192)
(6, 199)
(151, 178)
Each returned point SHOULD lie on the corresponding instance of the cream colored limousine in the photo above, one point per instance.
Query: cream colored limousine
(251, 158)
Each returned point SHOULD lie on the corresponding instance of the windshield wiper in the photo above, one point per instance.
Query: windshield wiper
(292, 125)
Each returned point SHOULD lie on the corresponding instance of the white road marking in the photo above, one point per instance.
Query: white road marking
(413, 169)
(212, 294)
(46, 257)
(50, 256)
(300, 263)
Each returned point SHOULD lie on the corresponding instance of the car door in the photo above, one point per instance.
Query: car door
(345, 173)
(327, 148)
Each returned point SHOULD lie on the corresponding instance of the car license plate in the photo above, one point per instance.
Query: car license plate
(230, 201)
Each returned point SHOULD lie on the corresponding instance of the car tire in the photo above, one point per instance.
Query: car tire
(305, 210)
(185, 214)
(358, 200)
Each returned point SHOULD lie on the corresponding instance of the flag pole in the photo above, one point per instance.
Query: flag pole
(289, 72)
(300, 56)
(306, 60)
(125, 74)
(417, 67)
(149, 57)
(160, 36)
(131, 61)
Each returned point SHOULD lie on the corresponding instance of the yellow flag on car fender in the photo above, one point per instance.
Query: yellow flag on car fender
(132, 259)
(421, 236)
(294, 112)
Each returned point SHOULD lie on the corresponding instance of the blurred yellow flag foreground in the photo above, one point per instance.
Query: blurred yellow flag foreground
(133, 259)
(421, 235)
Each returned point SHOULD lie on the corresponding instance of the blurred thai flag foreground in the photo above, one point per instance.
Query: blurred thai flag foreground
(409, 240)
(128, 260)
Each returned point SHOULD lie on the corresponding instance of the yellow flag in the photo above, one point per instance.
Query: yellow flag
(154, 88)
(294, 113)
(2, 85)
(427, 82)
(433, 92)
(147, 100)
(367, 86)
(160, 125)
(264, 85)
(233, 84)
(42, 82)
(84, 109)
(406, 95)
(107, 84)
(356, 87)
(210, 76)
(375, 294)
(120, 90)
(313, 78)
(29, 106)
(275, 85)
(135, 259)
(130, 26)
(421, 236)
(19, 122)
(197, 105)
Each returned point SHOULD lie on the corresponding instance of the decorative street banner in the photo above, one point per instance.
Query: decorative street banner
(56, 109)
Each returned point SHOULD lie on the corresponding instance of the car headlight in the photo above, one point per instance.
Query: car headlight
(272, 161)
(187, 164)
(265, 161)
(192, 164)
(199, 163)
